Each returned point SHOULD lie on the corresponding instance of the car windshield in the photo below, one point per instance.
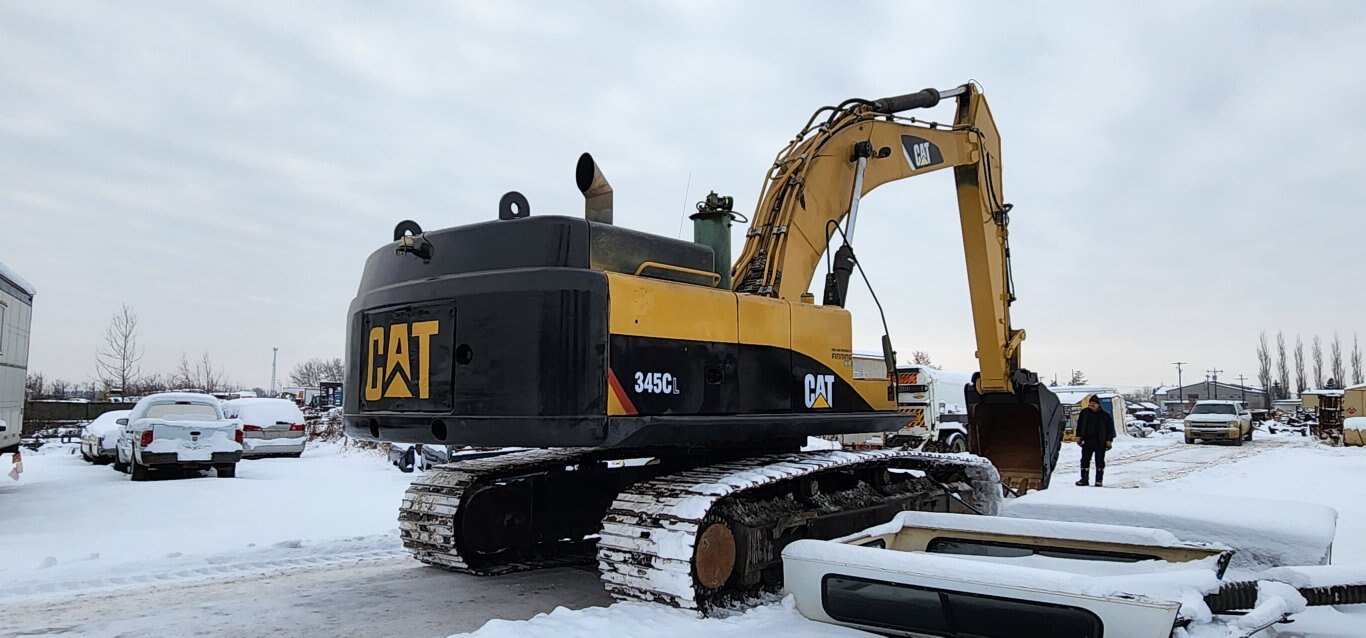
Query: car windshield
(183, 410)
(1214, 408)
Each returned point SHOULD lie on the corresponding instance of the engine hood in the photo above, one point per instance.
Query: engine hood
(1211, 418)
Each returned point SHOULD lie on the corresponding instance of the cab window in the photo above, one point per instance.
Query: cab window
(941, 612)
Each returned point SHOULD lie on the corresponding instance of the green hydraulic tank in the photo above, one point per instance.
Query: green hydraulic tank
(711, 227)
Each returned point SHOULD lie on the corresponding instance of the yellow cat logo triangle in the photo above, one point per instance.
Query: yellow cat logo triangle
(819, 391)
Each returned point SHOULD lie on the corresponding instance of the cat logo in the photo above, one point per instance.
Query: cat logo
(920, 153)
(389, 361)
(820, 390)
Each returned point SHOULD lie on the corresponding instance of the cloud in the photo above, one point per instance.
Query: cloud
(1184, 175)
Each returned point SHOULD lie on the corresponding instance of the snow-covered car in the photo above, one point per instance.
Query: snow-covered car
(178, 430)
(937, 574)
(100, 438)
(270, 427)
(1139, 427)
(957, 575)
(1219, 420)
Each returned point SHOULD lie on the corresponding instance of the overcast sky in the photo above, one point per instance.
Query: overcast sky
(1184, 174)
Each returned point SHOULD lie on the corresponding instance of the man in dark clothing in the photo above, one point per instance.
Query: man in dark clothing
(1095, 435)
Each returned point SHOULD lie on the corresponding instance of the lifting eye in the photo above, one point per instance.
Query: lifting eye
(513, 205)
(412, 240)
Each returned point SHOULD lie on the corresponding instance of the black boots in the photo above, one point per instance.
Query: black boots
(1085, 480)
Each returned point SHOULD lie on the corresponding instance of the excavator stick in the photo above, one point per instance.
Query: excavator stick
(1020, 432)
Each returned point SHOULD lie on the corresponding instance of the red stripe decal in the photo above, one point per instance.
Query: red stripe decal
(620, 392)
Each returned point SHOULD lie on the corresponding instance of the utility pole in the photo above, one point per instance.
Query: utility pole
(1242, 387)
(1180, 389)
(1214, 374)
(274, 357)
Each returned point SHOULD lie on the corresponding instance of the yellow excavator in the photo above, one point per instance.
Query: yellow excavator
(666, 393)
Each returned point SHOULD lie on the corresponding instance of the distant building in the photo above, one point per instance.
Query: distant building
(1173, 398)
(16, 313)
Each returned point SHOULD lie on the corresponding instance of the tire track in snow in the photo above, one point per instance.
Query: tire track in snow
(1240, 454)
(217, 567)
(1171, 454)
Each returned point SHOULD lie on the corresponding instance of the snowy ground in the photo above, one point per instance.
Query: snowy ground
(308, 547)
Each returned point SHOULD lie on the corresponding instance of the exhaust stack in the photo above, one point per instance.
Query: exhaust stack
(597, 193)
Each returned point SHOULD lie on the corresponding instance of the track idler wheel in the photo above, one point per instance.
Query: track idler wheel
(714, 556)
(497, 518)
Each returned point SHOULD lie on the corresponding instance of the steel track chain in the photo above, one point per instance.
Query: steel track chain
(645, 550)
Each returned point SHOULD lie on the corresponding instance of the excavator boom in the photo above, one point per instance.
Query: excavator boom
(816, 184)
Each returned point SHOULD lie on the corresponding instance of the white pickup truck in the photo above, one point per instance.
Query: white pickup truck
(1219, 420)
(178, 430)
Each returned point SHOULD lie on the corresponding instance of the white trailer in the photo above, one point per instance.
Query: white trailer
(16, 312)
(936, 401)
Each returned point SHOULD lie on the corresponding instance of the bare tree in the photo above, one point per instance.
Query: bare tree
(59, 388)
(1335, 359)
(117, 363)
(1140, 395)
(1077, 378)
(185, 376)
(1300, 380)
(1264, 367)
(148, 384)
(1316, 352)
(314, 371)
(921, 358)
(201, 375)
(1356, 362)
(1282, 371)
(215, 379)
(35, 385)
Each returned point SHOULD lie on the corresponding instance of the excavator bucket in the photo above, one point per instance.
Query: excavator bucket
(1019, 432)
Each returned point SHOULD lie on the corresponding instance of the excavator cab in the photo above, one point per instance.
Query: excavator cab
(1020, 432)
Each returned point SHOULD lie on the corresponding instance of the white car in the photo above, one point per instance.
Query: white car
(1219, 420)
(271, 427)
(100, 438)
(178, 430)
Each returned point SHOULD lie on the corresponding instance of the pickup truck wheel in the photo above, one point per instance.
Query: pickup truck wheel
(1190, 440)
(227, 471)
(120, 466)
(1249, 434)
(139, 471)
(956, 443)
(1238, 441)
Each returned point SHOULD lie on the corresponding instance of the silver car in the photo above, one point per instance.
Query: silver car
(99, 438)
(271, 427)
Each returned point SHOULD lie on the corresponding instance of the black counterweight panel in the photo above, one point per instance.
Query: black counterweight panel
(675, 376)
(528, 343)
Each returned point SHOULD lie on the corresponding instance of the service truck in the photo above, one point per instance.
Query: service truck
(937, 404)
